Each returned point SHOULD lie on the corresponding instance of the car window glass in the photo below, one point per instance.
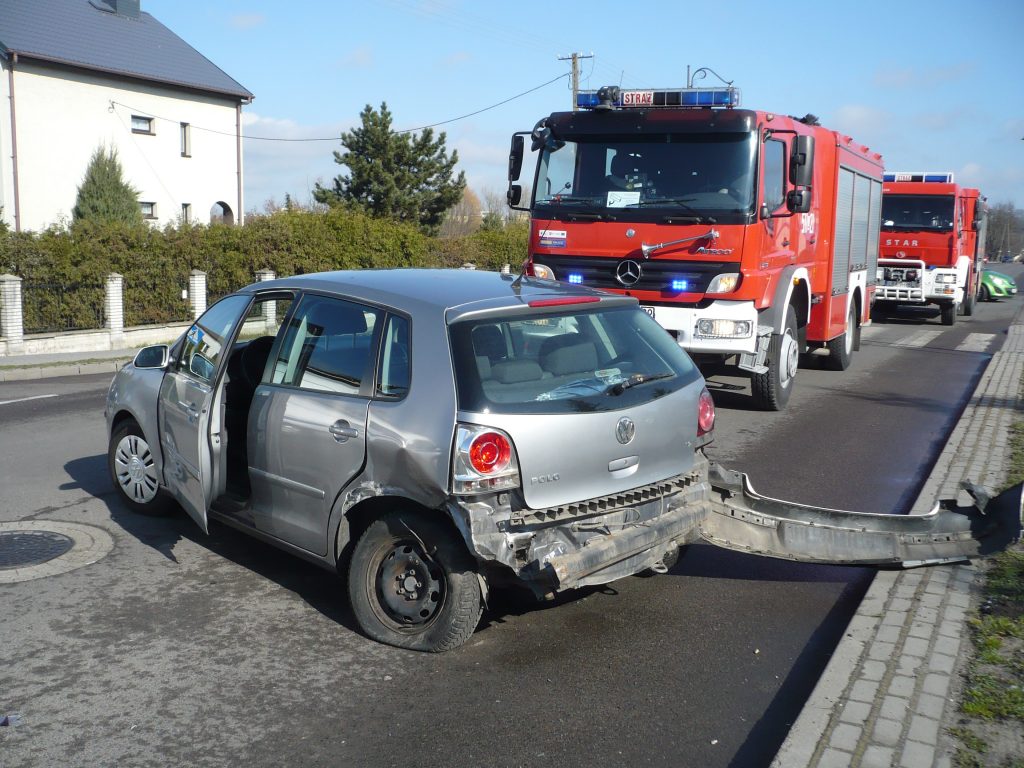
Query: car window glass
(566, 362)
(264, 317)
(326, 346)
(205, 341)
(394, 358)
(774, 179)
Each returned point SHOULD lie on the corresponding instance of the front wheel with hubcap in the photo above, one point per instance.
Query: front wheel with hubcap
(132, 469)
(771, 390)
(840, 349)
(413, 584)
(948, 313)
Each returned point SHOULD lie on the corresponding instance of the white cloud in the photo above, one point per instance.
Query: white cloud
(247, 20)
(865, 124)
(899, 78)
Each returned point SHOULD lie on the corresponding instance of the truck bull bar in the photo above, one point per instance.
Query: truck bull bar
(740, 519)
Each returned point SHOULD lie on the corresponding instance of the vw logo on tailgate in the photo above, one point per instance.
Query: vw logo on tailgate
(625, 430)
(628, 272)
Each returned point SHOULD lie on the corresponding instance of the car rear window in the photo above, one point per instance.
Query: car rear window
(575, 361)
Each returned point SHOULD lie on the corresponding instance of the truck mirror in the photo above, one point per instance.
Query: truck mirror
(979, 213)
(515, 157)
(798, 200)
(801, 162)
(514, 194)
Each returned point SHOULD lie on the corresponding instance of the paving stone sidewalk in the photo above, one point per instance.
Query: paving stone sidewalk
(891, 689)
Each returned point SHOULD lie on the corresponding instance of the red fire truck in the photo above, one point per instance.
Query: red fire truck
(752, 237)
(932, 244)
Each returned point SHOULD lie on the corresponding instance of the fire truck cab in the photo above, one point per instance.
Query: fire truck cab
(751, 237)
(932, 243)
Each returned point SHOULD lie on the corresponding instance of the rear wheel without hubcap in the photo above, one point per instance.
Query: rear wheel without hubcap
(840, 349)
(772, 389)
(948, 313)
(413, 585)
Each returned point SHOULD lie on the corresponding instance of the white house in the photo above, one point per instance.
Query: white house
(77, 74)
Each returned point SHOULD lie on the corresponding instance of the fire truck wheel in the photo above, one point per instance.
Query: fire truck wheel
(967, 308)
(772, 389)
(840, 349)
(948, 313)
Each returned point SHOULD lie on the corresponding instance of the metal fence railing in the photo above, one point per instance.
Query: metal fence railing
(50, 306)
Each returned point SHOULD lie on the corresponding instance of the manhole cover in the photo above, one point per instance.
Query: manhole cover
(19, 549)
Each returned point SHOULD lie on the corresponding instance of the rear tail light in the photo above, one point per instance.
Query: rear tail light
(705, 413)
(483, 460)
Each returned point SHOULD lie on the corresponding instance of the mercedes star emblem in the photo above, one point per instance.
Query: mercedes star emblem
(628, 272)
(625, 430)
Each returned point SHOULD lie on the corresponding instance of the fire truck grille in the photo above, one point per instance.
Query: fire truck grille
(655, 275)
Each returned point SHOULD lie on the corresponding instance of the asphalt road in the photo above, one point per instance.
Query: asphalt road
(178, 648)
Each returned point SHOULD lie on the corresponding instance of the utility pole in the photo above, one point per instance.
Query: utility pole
(575, 57)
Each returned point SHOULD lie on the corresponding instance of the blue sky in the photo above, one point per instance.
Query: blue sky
(931, 85)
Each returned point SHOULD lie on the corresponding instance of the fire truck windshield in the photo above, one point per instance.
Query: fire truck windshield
(703, 175)
(917, 212)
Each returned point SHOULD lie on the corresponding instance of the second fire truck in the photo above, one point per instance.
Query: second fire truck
(933, 243)
(752, 237)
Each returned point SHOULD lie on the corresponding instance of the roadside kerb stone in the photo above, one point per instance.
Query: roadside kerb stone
(899, 655)
(32, 373)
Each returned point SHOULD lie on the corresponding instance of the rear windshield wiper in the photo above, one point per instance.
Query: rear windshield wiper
(635, 380)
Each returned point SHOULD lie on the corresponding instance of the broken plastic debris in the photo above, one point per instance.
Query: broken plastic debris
(757, 651)
(714, 741)
(387, 677)
(12, 719)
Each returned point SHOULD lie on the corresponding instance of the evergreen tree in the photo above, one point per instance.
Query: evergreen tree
(104, 195)
(399, 176)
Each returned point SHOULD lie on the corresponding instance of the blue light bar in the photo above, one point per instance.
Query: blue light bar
(928, 177)
(680, 285)
(694, 98)
(576, 279)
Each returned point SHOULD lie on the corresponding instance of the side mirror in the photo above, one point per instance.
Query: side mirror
(801, 162)
(515, 157)
(514, 194)
(156, 356)
(979, 214)
(798, 200)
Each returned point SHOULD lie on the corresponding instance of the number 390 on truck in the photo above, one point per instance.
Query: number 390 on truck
(750, 236)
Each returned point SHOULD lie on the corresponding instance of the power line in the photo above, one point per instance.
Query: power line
(335, 138)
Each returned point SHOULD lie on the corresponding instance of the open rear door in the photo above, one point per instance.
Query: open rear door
(745, 521)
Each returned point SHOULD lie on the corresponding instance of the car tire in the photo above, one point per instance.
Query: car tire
(947, 313)
(986, 295)
(132, 470)
(412, 583)
(840, 349)
(771, 390)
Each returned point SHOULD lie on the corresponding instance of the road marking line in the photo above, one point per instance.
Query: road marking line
(919, 339)
(975, 342)
(26, 399)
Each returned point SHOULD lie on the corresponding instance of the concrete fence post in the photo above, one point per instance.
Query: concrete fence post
(197, 292)
(12, 326)
(269, 307)
(113, 308)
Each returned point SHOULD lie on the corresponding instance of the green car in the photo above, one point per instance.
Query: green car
(996, 285)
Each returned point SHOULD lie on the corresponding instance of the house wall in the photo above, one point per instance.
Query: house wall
(63, 114)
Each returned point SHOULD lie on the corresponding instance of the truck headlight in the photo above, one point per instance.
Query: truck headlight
(945, 277)
(727, 282)
(723, 329)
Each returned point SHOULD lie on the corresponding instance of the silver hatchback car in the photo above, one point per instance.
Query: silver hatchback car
(437, 433)
(434, 432)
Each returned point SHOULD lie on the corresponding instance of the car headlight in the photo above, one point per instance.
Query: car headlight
(727, 282)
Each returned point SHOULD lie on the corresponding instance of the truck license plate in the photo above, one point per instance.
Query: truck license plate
(648, 310)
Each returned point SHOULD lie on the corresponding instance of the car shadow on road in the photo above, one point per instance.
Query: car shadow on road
(322, 590)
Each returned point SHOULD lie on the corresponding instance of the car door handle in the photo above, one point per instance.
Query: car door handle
(342, 431)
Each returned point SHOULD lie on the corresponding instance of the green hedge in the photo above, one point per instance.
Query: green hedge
(64, 269)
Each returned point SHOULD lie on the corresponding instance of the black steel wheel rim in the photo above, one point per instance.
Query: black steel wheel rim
(410, 586)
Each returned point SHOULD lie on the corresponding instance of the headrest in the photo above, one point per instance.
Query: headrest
(516, 371)
(488, 342)
(573, 358)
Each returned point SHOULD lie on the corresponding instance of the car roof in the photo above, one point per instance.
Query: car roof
(451, 292)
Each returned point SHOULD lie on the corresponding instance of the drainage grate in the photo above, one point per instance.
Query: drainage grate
(20, 549)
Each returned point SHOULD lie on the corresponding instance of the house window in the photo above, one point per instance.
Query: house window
(186, 140)
(148, 210)
(186, 212)
(142, 124)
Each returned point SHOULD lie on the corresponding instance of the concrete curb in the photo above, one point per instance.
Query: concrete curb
(889, 690)
(29, 373)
